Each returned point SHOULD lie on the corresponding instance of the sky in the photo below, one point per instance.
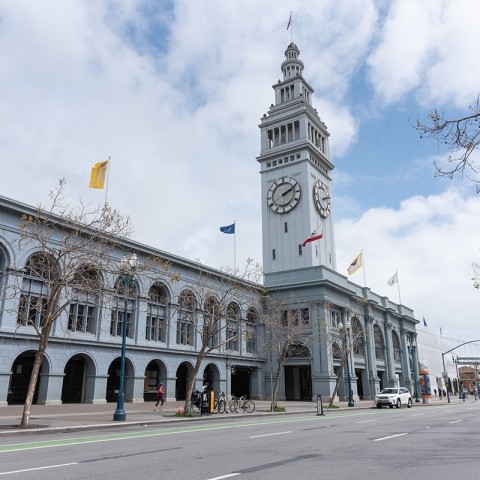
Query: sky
(173, 92)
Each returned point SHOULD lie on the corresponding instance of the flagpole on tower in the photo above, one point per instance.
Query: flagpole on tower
(363, 268)
(106, 182)
(290, 26)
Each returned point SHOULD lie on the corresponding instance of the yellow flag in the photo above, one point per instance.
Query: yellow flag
(97, 177)
(356, 264)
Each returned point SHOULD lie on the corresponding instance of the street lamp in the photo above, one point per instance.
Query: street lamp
(349, 380)
(455, 361)
(127, 278)
(412, 347)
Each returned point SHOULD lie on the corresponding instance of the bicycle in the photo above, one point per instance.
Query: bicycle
(196, 402)
(242, 403)
(220, 405)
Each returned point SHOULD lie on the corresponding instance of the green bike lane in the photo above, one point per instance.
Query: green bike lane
(164, 430)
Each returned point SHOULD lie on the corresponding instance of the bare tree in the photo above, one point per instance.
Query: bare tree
(221, 297)
(72, 245)
(344, 343)
(461, 136)
(288, 330)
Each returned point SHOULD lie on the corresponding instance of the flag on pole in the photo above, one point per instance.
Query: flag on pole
(393, 280)
(424, 322)
(289, 21)
(98, 175)
(314, 236)
(228, 228)
(356, 264)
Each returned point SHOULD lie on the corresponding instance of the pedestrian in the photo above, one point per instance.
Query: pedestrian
(464, 393)
(439, 394)
(435, 391)
(475, 391)
(444, 393)
(160, 400)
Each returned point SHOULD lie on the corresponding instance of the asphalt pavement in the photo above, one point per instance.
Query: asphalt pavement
(70, 417)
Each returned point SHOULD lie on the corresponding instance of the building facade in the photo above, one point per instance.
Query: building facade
(166, 318)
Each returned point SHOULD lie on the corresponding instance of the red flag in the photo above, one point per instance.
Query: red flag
(314, 236)
(289, 22)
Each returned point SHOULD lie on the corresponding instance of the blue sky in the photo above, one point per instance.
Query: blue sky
(174, 92)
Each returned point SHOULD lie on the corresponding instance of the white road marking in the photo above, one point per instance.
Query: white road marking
(270, 434)
(38, 468)
(417, 415)
(391, 436)
(366, 421)
(224, 476)
(456, 421)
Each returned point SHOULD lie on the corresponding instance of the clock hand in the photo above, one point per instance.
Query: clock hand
(287, 191)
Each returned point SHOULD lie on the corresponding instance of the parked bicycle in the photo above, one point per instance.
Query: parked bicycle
(220, 405)
(242, 404)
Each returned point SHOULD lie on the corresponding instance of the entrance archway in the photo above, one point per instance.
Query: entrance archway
(20, 378)
(75, 388)
(113, 381)
(155, 373)
(184, 372)
(212, 376)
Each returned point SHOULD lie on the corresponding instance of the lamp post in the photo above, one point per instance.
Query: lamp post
(127, 269)
(455, 361)
(412, 347)
(443, 362)
(347, 349)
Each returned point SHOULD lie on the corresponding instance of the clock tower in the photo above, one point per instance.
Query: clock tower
(295, 175)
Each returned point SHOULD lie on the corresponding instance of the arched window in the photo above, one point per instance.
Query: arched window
(233, 321)
(185, 317)
(298, 350)
(86, 286)
(379, 343)
(211, 322)
(156, 313)
(126, 293)
(358, 338)
(396, 347)
(41, 271)
(251, 330)
(336, 351)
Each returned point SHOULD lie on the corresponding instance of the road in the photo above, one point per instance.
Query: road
(440, 442)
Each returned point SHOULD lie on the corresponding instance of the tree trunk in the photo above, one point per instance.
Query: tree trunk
(337, 383)
(37, 364)
(281, 362)
(201, 355)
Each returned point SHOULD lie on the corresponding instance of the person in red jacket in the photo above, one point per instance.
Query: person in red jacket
(160, 393)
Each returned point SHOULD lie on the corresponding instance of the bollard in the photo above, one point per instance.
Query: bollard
(319, 405)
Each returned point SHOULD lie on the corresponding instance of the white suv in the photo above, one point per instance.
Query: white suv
(393, 397)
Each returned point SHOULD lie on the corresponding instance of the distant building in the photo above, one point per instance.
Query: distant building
(165, 320)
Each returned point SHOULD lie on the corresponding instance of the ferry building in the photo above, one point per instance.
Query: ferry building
(165, 318)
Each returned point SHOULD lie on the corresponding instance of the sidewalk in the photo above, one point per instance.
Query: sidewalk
(72, 417)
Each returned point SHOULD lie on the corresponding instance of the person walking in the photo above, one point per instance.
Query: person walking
(464, 393)
(160, 393)
(475, 391)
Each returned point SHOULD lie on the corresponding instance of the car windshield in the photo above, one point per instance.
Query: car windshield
(389, 390)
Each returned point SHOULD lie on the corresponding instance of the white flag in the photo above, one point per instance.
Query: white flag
(391, 281)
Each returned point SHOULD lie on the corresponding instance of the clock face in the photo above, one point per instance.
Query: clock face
(321, 198)
(283, 195)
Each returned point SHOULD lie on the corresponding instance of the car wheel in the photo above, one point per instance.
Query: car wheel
(390, 406)
(399, 403)
(379, 406)
(409, 404)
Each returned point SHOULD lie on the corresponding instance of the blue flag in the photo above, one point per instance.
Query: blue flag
(228, 229)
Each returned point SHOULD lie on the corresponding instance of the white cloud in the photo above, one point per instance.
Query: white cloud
(174, 96)
(432, 241)
(425, 48)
